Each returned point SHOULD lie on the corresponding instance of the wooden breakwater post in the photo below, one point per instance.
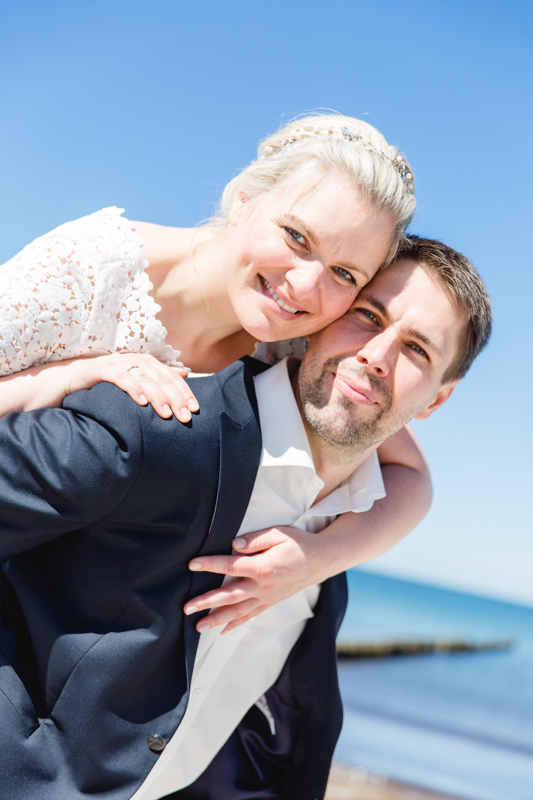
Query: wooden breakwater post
(355, 650)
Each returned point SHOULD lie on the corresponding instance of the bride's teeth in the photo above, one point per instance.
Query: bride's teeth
(280, 303)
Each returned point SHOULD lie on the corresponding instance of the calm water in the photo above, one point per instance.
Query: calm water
(460, 723)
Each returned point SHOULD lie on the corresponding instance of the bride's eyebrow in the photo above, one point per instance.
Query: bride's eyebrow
(300, 224)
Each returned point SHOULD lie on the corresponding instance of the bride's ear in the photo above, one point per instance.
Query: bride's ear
(239, 201)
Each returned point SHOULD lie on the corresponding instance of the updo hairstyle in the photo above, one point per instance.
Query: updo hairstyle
(313, 147)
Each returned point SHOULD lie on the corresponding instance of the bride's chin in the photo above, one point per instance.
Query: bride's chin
(265, 330)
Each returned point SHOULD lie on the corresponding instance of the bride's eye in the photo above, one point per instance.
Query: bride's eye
(345, 275)
(298, 237)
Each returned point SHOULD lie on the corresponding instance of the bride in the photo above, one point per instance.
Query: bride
(299, 232)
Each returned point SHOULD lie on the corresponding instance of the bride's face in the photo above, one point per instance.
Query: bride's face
(296, 259)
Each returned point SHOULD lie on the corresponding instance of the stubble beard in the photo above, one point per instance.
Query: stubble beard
(339, 424)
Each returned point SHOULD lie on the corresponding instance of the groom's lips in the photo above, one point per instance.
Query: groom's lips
(353, 389)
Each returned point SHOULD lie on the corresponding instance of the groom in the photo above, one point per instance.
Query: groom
(104, 690)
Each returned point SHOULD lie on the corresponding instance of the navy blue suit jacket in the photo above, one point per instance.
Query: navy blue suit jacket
(102, 505)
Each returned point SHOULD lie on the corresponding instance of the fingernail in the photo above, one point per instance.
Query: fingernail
(239, 542)
(203, 627)
(191, 610)
(184, 415)
(167, 411)
(193, 405)
(143, 400)
(195, 565)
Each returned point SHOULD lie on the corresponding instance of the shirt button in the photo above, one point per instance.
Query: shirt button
(156, 743)
(232, 634)
(197, 693)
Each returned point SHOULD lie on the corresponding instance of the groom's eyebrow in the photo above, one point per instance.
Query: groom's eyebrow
(414, 332)
(374, 302)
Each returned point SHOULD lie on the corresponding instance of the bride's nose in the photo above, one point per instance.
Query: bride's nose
(305, 282)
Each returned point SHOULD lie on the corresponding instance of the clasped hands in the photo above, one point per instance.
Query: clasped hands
(270, 566)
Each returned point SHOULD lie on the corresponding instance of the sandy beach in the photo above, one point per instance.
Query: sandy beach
(356, 783)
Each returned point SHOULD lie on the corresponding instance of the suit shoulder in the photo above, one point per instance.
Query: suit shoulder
(109, 406)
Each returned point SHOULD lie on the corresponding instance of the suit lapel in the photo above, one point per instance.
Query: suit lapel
(240, 454)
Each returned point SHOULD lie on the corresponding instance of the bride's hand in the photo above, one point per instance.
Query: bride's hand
(142, 376)
(279, 563)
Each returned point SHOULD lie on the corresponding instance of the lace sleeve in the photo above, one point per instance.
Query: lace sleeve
(80, 290)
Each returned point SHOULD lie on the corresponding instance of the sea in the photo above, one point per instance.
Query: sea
(460, 723)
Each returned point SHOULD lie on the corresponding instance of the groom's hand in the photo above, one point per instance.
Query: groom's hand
(276, 563)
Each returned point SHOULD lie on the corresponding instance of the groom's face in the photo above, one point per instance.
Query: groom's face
(381, 364)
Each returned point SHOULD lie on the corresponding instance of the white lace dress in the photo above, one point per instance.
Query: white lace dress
(82, 290)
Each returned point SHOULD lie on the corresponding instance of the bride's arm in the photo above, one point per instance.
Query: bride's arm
(37, 317)
(142, 376)
(278, 562)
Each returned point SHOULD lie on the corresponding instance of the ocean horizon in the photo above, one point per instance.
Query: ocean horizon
(460, 723)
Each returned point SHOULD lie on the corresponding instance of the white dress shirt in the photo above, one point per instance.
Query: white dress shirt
(232, 672)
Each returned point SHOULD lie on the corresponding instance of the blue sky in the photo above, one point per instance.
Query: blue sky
(153, 106)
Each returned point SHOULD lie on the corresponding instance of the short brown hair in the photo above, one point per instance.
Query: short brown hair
(465, 288)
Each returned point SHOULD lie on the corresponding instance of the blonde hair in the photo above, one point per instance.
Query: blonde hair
(313, 146)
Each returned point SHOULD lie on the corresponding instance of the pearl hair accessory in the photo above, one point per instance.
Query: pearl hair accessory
(298, 134)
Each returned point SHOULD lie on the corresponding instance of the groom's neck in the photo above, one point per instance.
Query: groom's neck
(333, 464)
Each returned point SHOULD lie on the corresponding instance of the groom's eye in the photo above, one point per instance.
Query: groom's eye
(369, 314)
(418, 349)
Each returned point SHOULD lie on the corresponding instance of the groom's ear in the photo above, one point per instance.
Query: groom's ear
(438, 400)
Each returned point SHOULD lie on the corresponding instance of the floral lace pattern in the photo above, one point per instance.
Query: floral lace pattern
(80, 290)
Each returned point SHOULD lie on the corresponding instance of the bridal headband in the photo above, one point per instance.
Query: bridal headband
(298, 134)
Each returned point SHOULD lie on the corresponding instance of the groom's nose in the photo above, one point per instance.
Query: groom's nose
(380, 353)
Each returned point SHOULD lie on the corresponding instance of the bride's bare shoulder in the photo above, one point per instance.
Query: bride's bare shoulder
(163, 245)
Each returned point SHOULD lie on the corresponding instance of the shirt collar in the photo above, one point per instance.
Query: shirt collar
(285, 441)
(357, 493)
